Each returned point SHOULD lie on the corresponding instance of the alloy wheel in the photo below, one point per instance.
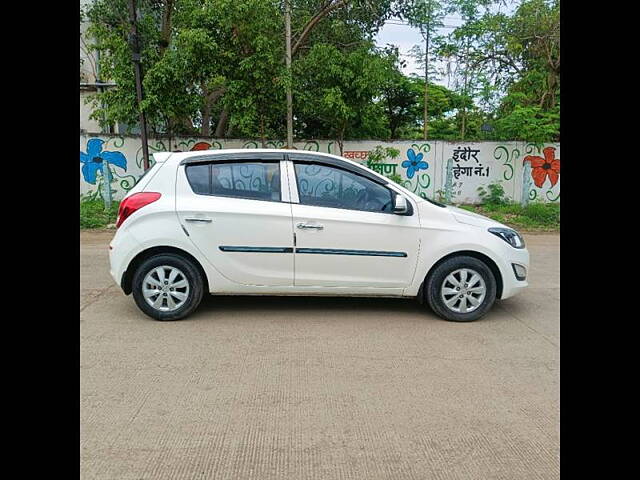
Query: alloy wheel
(165, 288)
(463, 290)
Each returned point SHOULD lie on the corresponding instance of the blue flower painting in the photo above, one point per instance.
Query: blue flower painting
(414, 163)
(95, 159)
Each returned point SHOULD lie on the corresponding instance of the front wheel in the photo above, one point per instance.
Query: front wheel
(167, 287)
(461, 289)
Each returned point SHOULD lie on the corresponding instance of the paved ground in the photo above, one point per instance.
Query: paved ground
(318, 388)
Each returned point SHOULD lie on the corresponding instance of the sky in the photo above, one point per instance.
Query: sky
(405, 37)
(396, 32)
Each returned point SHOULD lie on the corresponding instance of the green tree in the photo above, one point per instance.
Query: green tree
(510, 64)
(216, 63)
(110, 31)
(217, 67)
(462, 42)
(342, 23)
(400, 102)
(399, 98)
(427, 16)
(336, 96)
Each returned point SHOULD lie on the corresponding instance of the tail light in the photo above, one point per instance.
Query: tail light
(133, 203)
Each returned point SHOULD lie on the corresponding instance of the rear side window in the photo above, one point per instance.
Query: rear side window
(251, 180)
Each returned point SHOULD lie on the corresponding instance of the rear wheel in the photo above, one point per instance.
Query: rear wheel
(461, 289)
(167, 287)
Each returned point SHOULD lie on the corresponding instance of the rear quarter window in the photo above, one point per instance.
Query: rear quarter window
(199, 177)
(251, 180)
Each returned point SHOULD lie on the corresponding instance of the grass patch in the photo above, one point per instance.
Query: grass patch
(537, 216)
(94, 215)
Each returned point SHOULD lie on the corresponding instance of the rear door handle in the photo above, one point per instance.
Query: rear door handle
(304, 226)
(198, 220)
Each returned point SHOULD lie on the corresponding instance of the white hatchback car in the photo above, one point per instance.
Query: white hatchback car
(289, 222)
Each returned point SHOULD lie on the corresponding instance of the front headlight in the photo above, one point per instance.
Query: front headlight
(512, 237)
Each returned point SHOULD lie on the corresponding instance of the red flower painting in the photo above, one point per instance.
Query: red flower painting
(201, 146)
(541, 168)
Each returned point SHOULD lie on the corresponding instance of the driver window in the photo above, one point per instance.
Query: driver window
(326, 186)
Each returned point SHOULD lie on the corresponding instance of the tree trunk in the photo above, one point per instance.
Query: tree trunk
(206, 121)
(341, 137)
(262, 139)
(390, 120)
(169, 133)
(165, 29)
(210, 98)
(206, 116)
(328, 8)
(222, 123)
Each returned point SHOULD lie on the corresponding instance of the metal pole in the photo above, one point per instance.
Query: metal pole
(426, 83)
(287, 27)
(106, 178)
(448, 186)
(426, 72)
(135, 45)
(526, 184)
(99, 88)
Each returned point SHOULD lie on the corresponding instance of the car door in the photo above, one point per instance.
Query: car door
(346, 233)
(233, 209)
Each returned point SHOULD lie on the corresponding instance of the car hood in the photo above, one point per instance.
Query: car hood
(470, 218)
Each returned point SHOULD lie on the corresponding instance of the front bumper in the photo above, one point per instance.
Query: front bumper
(511, 284)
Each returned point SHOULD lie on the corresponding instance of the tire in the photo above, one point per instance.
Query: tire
(185, 299)
(450, 271)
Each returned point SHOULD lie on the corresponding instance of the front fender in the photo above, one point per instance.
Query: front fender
(441, 245)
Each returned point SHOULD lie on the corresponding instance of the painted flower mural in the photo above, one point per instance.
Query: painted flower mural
(95, 159)
(541, 168)
(414, 163)
(201, 146)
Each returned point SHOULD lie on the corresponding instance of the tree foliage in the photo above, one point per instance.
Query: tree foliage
(510, 67)
(216, 67)
(337, 96)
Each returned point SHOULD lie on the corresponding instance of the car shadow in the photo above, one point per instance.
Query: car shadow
(265, 303)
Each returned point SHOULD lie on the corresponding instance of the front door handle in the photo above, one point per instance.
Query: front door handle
(198, 219)
(305, 226)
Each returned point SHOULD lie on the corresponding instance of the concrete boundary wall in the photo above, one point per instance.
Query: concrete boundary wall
(422, 165)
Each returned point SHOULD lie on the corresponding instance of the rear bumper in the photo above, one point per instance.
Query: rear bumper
(122, 249)
(114, 270)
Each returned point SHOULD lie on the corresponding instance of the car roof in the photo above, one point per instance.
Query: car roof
(198, 156)
(179, 156)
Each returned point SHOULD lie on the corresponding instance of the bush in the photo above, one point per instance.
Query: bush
(379, 155)
(493, 194)
(94, 215)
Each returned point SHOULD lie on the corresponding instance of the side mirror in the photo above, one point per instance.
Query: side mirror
(400, 206)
